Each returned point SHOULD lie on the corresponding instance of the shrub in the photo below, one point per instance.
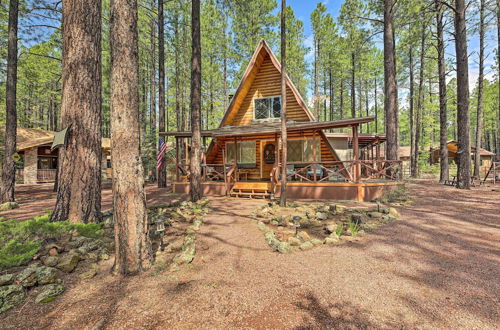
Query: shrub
(91, 230)
(353, 227)
(15, 253)
(340, 230)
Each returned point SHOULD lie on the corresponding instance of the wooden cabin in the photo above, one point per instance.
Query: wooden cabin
(38, 164)
(244, 154)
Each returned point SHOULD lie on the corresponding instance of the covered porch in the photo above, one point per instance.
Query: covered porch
(246, 161)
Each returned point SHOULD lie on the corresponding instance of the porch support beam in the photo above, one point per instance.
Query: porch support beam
(177, 178)
(355, 147)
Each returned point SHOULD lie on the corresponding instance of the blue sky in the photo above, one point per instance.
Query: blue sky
(303, 9)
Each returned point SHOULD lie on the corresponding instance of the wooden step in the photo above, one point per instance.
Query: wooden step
(252, 185)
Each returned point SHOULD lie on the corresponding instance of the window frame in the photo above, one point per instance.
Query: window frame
(303, 149)
(270, 110)
(238, 152)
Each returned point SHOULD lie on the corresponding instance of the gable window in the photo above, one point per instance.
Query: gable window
(268, 107)
(244, 153)
(303, 150)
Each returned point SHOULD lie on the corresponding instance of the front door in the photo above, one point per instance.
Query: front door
(267, 159)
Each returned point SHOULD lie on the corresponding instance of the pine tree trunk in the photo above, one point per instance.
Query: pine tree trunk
(443, 120)
(390, 86)
(463, 119)
(284, 136)
(497, 140)
(376, 105)
(342, 99)
(353, 86)
(79, 186)
(195, 177)
(413, 166)
(479, 121)
(152, 94)
(420, 104)
(132, 246)
(162, 172)
(8, 167)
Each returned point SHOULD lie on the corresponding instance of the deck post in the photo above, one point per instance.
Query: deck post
(236, 159)
(355, 147)
(314, 155)
(177, 159)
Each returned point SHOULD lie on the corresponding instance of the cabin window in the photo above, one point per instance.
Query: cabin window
(269, 107)
(244, 153)
(303, 150)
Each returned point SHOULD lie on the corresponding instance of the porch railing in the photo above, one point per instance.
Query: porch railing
(46, 175)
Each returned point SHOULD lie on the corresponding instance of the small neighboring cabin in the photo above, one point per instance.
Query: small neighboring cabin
(486, 159)
(40, 163)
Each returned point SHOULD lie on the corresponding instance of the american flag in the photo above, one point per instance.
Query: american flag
(162, 147)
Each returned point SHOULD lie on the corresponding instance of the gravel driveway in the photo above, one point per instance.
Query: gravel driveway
(435, 267)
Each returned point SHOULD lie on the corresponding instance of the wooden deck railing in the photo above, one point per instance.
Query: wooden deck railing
(230, 177)
(46, 175)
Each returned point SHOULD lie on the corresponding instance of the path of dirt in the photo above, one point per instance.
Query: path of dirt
(437, 266)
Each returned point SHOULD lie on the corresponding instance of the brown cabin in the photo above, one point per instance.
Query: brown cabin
(39, 163)
(243, 157)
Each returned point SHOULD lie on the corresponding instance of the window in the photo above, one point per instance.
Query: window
(269, 107)
(303, 150)
(47, 163)
(245, 152)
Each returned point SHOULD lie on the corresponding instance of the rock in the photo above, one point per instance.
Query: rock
(306, 246)
(89, 246)
(188, 251)
(331, 228)
(78, 241)
(108, 222)
(27, 277)
(283, 247)
(53, 252)
(262, 226)
(174, 246)
(321, 215)
(54, 249)
(49, 292)
(103, 254)
(68, 262)
(375, 215)
(305, 223)
(303, 236)
(8, 206)
(294, 241)
(357, 218)
(393, 212)
(388, 218)
(50, 261)
(316, 242)
(331, 239)
(11, 296)
(89, 273)
(296, 218)
(376, 200)
(46, 275)
(340, 208)
(6, 279)
(316, 223)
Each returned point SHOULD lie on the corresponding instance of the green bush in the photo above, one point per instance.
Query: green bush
(20, 240)
(353, 227)
(15, 253)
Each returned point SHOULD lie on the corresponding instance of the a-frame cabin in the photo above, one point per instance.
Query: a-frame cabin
(243, 158)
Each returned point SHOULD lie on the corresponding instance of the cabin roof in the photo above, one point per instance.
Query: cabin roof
(251, 71)
(275, 127)
(33, 137)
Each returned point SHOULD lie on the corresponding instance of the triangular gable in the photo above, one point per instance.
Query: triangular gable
(261, 53)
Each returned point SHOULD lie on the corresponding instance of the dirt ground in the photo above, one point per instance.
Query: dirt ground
(437, 266)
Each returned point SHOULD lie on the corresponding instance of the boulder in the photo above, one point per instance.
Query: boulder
(262, 226)
(78, 241)
(340, 208)
(54, 249)
(11, 296)
(283, 247)
(89, 273)
(294, 241)
(8, 206)
(89, 246)
(304, 236)
(321, 215)
(50, 261)
(375, 215)
(331, 228)
(306, 246)
(27, 277)
(174, 246)
(68, 262)
(188, 251)
(393, 212)
(103, 254)
(6, 279)
(316, 242)
(331, 239)
(388, 218)
(316, 223)
(49, 292)
(46, 275)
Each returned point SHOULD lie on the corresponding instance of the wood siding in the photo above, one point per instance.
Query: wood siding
(266, 83)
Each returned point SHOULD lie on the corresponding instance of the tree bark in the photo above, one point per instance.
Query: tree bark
(79, 186)
(463, 119)
(443, 120)
(284, 137)
(413, 167)
(132, 246)
(162, 172)
(420, 104)
(479, 119)
(152, 94)
(8, 167)
(353, 85)
(195, 177)
(390, 83)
